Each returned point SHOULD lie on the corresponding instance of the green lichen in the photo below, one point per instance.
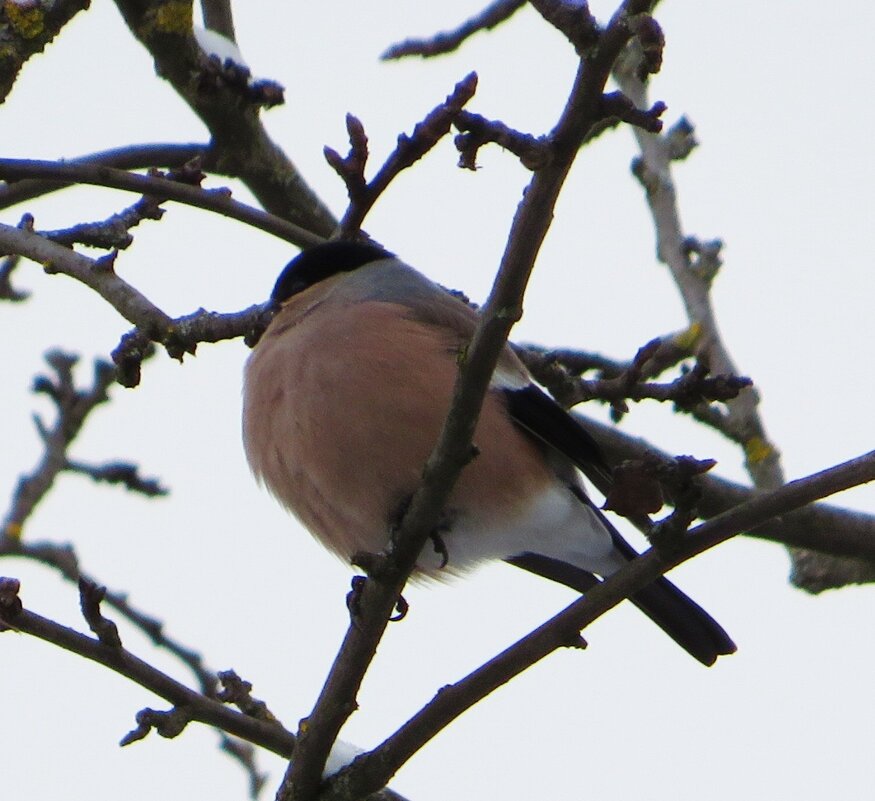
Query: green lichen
(687, 340)
(174, 17)
(757, 450)
(27, 21)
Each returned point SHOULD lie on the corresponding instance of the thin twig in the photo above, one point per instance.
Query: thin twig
(441, 43)
(125, 474)
(476, 131)
(7, 290)
(185, 333)
(130, 157)
(823, 528)
(244, 754)
(179, 336)
(62, 557)
(654, 171)
(694, 389)
(95, 274)
(215, 200)
(426, 134)
(196, 706)
(111, 233)
(73, 406)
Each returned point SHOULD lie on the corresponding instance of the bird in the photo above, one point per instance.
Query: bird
(344, 397)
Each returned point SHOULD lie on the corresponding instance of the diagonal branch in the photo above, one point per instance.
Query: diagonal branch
(113, 233)
(63, 559)
(673, 248)
(693, 265)
(448, 41)
(475, 131)
(253, 724)
(374, 769)
(379, 596)
(73, 408)
(823, 528)
(240, 144)
(179, 336)
(27, 29)
(426, 134)
(268, 734)
(95, 274)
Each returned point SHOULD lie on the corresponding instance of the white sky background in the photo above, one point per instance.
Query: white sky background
(779, 95)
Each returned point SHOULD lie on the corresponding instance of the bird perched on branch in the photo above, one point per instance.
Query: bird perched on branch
(344, 398)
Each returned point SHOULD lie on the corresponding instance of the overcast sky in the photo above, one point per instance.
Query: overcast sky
(784, 176)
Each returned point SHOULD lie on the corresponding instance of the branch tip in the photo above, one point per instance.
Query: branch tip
(493, 15)
(90, 597)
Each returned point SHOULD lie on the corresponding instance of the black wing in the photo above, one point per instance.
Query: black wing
(674, 612)
(535, 411)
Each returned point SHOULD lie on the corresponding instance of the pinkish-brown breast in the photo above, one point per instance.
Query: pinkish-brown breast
(342, 407)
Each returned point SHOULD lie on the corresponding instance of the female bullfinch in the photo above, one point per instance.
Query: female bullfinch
(344, 398)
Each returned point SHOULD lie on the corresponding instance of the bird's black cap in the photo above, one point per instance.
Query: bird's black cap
(322, 261)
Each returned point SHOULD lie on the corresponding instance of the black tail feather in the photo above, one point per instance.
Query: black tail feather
(684, 621)
(680, 617)
(675, 613)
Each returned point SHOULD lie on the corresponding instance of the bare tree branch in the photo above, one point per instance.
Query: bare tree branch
(503, 308)
(63, 559)
(476, 131)
(179, 336)
(113, 233)
(494, 14)
(7, 290)
(815, 572)
(693, 265)
(822, 527)
(240, 143)
(27, 29)
(673, 248)
(131, 157)
(693, 391)
(573, 20)
(95, 274)
(426, 134)
(73, 407)
(251, 725)
(217, 200)
(123, 473)
(375, 768)
(186, 333)
(196, 706)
